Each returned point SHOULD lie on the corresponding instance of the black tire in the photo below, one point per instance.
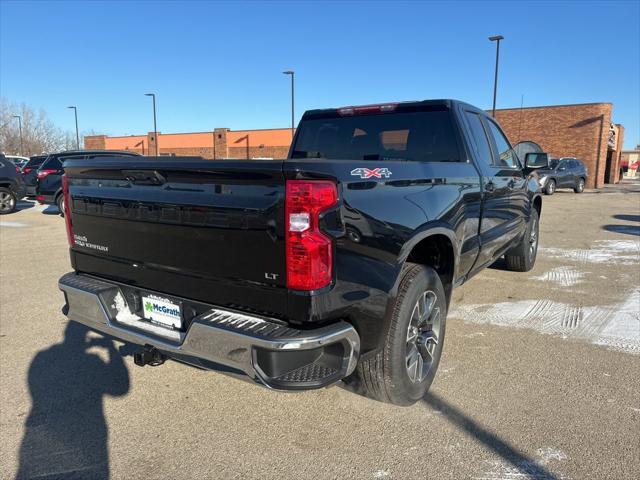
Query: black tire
(386, 374)
(522, 257)
(550, 187)
(579, 188)
(8, 201)
(60, 203)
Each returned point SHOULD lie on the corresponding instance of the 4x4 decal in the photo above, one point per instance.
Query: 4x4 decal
(371, 173)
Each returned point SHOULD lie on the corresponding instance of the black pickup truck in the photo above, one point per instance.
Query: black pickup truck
(335, 263)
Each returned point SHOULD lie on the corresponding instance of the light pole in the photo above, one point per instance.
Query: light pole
(496, 38)
(292, 73)
(20, 127)
(75, 111)
(155, 128)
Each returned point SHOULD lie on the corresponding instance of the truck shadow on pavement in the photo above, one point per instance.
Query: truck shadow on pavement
(525, 466)
(66, 432)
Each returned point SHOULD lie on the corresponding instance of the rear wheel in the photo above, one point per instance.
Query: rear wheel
(579, 188)
(403, 370)
(550, 187)
(8, 201)
(522, 257)
(60, 203)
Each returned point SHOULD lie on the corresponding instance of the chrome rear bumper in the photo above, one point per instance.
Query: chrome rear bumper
(270, 352)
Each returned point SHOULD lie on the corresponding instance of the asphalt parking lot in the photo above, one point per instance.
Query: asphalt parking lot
(540, 377)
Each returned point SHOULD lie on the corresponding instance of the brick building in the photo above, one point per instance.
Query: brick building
(584, 131)
(220, 143)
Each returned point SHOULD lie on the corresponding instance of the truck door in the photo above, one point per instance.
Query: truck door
(505, 157)
(497, 224)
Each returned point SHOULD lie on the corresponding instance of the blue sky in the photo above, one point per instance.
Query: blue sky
(218, 64)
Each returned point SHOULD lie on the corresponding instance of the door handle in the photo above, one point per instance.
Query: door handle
(489, 187)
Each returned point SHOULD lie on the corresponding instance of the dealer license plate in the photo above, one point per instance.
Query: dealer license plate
(162, 311)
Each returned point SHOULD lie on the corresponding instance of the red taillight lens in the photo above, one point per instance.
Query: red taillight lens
(17, 169)
(309, 251)
(26, 170)
(67, 209)
(40, 198)
(43, 173)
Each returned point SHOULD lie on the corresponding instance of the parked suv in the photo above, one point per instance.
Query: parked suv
(11, 186)
(565, 172)
(49, 175)
(30, 172)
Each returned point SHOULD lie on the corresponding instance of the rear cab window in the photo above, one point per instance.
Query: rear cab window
(425, 135)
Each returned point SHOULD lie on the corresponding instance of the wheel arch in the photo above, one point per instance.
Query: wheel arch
(434, 248)
(537, 204)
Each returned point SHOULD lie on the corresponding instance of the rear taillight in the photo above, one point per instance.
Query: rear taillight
(67, 216)
(309, 251)
(40, 198)
(17, 169)
(26, 170)
(43, 173)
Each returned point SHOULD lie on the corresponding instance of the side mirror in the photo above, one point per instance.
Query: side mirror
(536, 160)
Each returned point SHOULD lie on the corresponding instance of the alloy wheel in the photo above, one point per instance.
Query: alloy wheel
(7, 202)
(423, 333)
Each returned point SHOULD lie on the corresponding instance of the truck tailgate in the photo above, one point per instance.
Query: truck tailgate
(207, 230)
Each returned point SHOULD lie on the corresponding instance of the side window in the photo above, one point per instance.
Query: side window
(52, 164)
(480, 141)
(506, 155)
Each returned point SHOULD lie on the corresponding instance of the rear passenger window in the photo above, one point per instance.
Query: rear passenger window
(480, 141)
(52, 164)
(506, 155)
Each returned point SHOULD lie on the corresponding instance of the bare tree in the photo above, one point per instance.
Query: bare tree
(39, 134)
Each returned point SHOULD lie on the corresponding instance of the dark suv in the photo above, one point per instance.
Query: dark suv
(48, 188)
(11, 185)
(566, 172)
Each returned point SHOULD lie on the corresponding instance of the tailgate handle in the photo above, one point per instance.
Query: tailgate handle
(144, 177)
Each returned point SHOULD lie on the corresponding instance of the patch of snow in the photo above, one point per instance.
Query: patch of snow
(12, 224)
(624, 252)
(525, 469)
(547, 454)
(615, 326)
(563, 276)
(381, 473)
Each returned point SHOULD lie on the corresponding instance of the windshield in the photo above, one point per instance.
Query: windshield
(554, 162)
(413, 136)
